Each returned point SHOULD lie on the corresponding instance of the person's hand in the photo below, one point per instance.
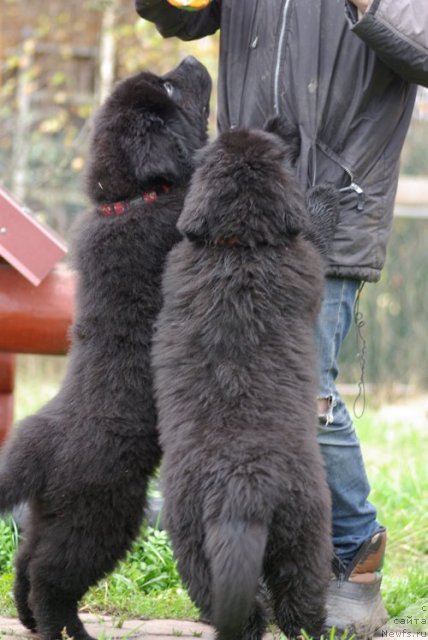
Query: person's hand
(190, 5)
(362, 5)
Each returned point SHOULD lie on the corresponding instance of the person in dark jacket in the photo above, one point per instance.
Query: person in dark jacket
(344, 73)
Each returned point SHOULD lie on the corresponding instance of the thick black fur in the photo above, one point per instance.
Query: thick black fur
(235, 372)
(84, 460)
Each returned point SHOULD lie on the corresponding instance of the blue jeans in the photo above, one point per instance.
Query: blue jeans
(354, 518)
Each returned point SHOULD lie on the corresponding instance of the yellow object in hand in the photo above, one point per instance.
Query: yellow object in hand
(190, 5)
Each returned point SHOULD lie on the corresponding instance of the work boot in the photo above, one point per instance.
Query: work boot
(354, 603)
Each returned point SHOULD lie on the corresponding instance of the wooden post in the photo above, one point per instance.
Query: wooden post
(35, 319)
(32, 320)
(7, 384)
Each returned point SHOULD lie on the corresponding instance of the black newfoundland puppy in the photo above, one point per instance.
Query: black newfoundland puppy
(235, 372)
(84, 460)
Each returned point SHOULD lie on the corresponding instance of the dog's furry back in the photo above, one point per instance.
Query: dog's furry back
(236, 383)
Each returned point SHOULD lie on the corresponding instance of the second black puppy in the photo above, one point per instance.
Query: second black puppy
(84, 460)
(236, 382)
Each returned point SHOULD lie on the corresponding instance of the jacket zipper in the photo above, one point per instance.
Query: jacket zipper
(353, 186)
(361, 196)
(284, 17)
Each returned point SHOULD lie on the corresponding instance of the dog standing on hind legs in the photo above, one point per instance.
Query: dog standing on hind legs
(84, 460)
(235, 371)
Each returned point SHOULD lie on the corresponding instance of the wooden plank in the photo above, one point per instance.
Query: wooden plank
(6, 415)
(7, 384)
(35, 320)
(32, 248)
(7, 372)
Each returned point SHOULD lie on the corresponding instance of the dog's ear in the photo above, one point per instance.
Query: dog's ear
(281, 127)
(295, 218)
(193, 221)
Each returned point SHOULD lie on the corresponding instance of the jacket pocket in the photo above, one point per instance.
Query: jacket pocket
(347, 183)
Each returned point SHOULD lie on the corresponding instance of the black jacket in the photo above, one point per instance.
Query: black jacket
(345, 83)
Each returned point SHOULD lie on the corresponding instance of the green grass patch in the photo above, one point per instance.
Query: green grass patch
(146, 585)
(131, 603)
(8, 543)
(395, 457)
(7, 605)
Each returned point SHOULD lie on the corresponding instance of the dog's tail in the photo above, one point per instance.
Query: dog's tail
(235, 547)
(20, 473)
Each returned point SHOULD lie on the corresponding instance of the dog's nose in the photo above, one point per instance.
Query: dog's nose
(191, 60)
(190, 64)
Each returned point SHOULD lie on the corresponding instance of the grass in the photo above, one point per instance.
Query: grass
(147, 585)
(395, 455)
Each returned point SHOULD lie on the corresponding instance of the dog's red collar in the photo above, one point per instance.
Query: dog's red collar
(233, 241)
(119, 208)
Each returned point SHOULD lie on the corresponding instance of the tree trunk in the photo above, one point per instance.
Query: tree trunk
(107, 51)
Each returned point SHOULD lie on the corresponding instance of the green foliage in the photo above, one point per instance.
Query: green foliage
(331, 636)
(8, 544)
(400, 591)
(146, 584)
(7, 605)
(150, 566)
(396, 466)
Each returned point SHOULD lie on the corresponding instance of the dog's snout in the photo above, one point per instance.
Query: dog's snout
(192, 61)
(191, 70)
(193, 64)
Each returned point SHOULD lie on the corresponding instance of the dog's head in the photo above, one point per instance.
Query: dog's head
(147, 132)
(244, 192)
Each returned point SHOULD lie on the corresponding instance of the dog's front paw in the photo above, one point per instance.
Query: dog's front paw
(323, 207)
